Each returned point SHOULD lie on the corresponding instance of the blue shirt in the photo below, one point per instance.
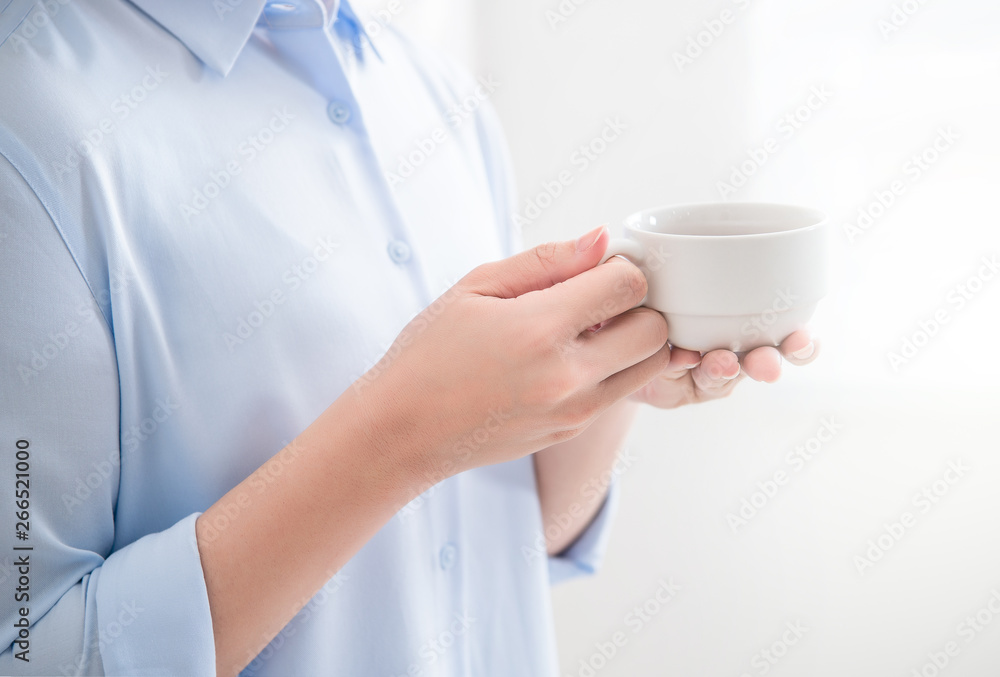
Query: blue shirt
(216, 216)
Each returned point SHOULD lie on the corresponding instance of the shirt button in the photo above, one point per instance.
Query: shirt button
(449, 553)
(399, 251)
(339, 112)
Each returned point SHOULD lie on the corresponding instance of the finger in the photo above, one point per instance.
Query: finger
(799, 347)
(623, 342)
(539, 267)
(592, 296)
(763, 364)
(718, 371)
(627, 381)
(681, 362)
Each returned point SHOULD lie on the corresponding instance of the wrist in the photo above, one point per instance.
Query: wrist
(389, 435)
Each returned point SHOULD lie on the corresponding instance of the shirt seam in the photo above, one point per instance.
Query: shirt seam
(62, 236)
(107, 323)
(4, 32)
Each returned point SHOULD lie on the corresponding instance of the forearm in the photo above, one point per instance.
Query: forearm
(571, 488)
(271, 542)
(487, 353)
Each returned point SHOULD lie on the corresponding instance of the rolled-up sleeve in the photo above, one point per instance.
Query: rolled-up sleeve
(154, 591)
(583, 556)
(90, 606)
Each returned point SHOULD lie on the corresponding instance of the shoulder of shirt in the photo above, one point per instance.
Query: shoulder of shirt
(29, 73)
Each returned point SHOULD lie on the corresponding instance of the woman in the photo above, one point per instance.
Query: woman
(271, 421)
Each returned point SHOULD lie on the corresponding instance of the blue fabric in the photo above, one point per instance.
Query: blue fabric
(214, 218)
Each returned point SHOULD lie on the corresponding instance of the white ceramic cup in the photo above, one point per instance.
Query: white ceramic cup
(729, 275)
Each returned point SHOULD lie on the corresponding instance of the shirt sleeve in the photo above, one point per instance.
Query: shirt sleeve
(583, 557)
(82, 604)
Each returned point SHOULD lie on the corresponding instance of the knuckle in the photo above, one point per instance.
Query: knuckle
(481, 272)
(558, 388)
(484, 274)
(657, 325)
(631, 283)
(541, 339)
(564, 435)
(567, 348)
(547, 253)
(555, 383)
(578, 416)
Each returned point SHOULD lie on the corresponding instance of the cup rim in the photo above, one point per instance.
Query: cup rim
(820, 219)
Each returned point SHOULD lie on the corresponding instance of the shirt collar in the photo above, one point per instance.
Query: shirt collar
(215, 32)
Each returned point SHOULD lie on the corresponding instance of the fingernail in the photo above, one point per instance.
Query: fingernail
(805, 353)
(692, 366)
(587, 241)
(730, 378)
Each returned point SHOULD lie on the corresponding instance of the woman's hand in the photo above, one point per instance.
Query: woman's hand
(502, 365)
(690, 377)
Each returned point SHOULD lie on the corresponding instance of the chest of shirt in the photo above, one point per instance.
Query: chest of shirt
(240, 234)
(217, 199)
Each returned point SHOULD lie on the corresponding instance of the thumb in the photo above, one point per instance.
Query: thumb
(540, 267)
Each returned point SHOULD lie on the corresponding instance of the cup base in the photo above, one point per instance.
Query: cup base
(738, 333)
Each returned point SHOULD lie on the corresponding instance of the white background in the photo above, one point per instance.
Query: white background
(890, 93)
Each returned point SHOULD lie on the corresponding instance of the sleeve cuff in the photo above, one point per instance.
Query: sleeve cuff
(152, 606)
(584, 556)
